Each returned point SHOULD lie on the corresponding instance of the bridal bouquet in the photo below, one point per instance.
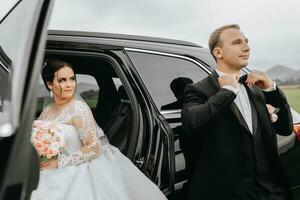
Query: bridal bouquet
(46, 139)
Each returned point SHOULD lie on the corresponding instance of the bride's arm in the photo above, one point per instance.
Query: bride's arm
(85, 125)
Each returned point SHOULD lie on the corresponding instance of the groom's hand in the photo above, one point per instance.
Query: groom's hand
(260, 79)
(228, 80)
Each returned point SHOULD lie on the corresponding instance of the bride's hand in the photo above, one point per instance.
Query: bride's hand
(50, 164)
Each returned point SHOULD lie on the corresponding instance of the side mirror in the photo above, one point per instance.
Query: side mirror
(297, 130)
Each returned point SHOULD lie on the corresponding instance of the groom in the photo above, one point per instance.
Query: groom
(238, 156)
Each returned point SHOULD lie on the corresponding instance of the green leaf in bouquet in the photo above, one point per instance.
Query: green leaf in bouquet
(43, 159)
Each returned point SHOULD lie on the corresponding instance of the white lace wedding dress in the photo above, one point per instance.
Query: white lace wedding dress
(87, 171)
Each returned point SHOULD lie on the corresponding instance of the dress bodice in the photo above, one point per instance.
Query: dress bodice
(70, 136)
(81, 133)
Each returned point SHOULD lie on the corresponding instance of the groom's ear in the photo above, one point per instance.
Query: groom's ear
(217, 51)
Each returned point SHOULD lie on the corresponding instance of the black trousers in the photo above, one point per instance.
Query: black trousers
(258, 193)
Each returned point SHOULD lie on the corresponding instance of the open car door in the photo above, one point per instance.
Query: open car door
(22, 43)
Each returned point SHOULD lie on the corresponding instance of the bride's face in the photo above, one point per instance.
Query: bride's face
(64, 84)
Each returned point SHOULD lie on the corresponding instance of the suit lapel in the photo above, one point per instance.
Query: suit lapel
(262, 113)
(239, 116)
(233, 107)
(214, 79)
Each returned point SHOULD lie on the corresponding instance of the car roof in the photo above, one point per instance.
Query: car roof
(136, 42)
(122, 37)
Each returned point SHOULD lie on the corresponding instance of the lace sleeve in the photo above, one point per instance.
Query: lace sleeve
(85, 125)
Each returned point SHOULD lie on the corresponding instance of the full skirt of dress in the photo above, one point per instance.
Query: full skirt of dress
(111, 176)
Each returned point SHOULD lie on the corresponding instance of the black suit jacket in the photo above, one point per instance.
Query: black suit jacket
(210, 111)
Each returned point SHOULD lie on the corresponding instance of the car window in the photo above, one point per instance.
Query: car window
(15, 40)
(166, 77)
(6, 6)
(88, 89)
(14, 31)
(5, 93)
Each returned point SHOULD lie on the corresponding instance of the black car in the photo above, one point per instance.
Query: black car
(133, 85)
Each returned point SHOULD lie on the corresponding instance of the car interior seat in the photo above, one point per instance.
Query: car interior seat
(120, 126)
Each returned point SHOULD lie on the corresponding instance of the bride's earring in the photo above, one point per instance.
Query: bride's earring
(51, 94)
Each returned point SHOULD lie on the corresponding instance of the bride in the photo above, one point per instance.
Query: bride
(91, 168)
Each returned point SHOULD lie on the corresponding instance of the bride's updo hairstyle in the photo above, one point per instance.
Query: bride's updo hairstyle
(49, 69)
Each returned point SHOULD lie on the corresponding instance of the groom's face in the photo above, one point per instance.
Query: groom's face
(64, 83)
(234, 50)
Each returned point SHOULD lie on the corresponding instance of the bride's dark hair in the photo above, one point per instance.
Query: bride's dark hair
(49, 69)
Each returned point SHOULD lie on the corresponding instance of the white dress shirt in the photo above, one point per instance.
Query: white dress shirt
(242, 100)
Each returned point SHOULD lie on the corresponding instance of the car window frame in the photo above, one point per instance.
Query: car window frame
(53, 48)
(170, 112)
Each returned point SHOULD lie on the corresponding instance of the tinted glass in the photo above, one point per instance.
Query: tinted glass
(88, 89)
(166, 77)
(4, 94)
(16, 32)
(6, 6)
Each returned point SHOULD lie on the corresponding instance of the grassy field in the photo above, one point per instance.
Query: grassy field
(91, 102)
(293, 96)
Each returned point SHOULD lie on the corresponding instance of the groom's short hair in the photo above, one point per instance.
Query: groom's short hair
(214, 39)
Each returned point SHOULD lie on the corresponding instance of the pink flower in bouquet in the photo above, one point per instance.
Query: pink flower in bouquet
(272, 112)
(46, 139)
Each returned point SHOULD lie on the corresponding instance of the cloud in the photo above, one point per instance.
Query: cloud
(271, 25)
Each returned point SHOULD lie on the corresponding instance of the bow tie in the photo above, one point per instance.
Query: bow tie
(243, 79)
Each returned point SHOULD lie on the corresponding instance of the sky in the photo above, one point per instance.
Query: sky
(272, 26)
